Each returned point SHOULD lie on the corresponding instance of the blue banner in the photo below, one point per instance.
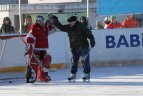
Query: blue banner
(111, 7)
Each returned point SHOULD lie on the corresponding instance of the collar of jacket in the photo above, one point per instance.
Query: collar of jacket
(75, 25)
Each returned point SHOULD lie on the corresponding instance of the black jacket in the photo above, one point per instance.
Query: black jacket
(78, 35)
(7, 29)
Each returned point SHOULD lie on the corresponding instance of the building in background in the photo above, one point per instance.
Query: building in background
(63, 10)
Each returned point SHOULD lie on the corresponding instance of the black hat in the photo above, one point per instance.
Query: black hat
(83, 18)
(72, 18)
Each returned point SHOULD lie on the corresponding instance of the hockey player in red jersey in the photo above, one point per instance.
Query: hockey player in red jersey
(37, 42)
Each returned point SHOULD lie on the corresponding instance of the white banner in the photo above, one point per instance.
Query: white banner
(51, 1)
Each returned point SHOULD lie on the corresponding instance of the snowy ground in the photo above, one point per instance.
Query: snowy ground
(105, 81)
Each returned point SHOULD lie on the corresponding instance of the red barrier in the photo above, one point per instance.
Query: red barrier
(8, 36)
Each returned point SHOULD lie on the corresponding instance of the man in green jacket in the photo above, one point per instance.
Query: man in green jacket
(78, 36)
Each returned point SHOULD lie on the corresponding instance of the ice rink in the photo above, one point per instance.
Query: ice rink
(105, 81)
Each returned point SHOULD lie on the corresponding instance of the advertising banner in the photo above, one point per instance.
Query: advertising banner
(109, 7)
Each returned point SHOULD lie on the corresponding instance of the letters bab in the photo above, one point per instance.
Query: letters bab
(133, 40)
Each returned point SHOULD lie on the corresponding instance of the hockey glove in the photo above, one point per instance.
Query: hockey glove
(55, 18)
(52, 18)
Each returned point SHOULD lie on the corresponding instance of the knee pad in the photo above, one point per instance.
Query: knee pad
(47, 60)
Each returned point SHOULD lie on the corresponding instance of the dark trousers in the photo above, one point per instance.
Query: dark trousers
(76, 56)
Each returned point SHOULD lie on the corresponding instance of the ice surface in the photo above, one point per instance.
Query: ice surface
(105, 81)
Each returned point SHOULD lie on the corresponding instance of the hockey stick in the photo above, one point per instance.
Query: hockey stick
(35, 57)
(82, 59)
(11, 80)
(3, 48)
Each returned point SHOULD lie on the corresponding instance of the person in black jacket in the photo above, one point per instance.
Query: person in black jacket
(7, 27)
(78, 36)
(85, 21)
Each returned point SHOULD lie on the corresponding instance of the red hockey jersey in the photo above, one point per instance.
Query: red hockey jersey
(39, 36)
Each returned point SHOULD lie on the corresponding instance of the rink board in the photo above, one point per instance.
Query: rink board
(112, 45)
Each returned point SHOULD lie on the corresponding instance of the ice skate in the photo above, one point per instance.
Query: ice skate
(86, 77)
(72, 77)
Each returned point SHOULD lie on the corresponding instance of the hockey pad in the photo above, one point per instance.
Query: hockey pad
(34, 70)
(33, 76)
(41, 75)
(47, 60)
(29, 50)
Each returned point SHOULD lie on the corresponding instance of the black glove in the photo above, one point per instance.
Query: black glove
(52, 18)
(92, 44)
(55, 18)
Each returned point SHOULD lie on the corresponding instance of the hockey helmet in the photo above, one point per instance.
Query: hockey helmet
(40, 18)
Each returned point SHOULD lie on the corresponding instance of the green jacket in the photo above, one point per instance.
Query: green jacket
(78, 35)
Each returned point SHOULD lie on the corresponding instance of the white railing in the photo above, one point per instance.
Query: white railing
(4, 7)
(45, 7)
